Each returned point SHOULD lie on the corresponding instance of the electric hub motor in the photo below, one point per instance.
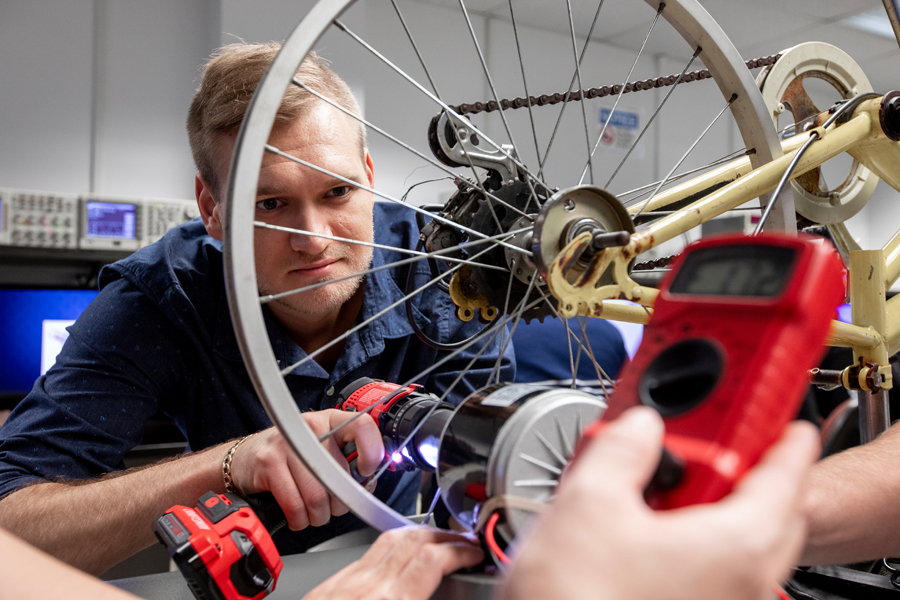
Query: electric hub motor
(506, 446)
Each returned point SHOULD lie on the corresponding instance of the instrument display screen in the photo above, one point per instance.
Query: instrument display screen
(111, 220)
(751, 270)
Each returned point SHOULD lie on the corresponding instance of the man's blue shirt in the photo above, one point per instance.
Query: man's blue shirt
(159, 337)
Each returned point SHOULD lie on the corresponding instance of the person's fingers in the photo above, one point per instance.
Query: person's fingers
(624, 455)
(316, 499)
(289, 499)
(365, 434)
(423, 574)
(393, 549)
(402, 563)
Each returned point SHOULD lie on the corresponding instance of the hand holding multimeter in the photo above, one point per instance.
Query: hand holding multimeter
(736, 326)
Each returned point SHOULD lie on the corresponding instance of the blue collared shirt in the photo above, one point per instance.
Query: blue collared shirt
(159, 337)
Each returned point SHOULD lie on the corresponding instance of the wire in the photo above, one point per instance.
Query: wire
(492, 541)
(795, 593)
(849, 105)
(410, 316)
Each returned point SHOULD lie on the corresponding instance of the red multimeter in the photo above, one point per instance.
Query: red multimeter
(221, 547)
(736, 326)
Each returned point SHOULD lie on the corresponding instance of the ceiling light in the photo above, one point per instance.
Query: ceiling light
(873, 21)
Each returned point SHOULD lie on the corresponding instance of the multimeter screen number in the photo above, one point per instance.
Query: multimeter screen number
(752, 270)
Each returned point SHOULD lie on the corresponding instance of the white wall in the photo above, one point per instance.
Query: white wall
(45, 78)
(96, 93)
(148, 56)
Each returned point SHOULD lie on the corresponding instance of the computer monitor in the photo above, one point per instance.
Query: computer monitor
(33, 322)
(110, 224)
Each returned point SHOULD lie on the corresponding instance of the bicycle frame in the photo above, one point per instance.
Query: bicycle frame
(874, 334)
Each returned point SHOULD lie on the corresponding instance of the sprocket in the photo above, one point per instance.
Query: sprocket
(491, 285)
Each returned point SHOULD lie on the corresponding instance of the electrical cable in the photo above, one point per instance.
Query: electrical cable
(410, 283)
(492, 541)
(849, 105)
(796, 593)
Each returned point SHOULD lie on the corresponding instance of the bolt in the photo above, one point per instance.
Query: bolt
(462, 133)
(780, 108)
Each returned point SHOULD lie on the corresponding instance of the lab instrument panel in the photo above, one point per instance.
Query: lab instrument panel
(70, 221)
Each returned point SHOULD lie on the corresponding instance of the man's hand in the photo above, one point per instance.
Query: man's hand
(599, 538)
(265, 462)
(403, 563)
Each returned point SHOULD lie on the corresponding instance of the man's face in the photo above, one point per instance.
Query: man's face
(295, 196)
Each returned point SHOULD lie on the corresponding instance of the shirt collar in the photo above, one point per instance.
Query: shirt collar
(380, 291)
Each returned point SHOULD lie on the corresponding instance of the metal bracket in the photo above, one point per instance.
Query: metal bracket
(462, 145)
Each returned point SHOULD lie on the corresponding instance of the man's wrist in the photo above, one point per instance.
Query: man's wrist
(227, 475)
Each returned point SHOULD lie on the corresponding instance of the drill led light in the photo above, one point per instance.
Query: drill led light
(397, 457)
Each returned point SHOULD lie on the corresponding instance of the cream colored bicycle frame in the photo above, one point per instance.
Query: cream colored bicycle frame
(875, 332)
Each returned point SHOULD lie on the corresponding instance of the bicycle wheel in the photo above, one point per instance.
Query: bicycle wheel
(489, 177)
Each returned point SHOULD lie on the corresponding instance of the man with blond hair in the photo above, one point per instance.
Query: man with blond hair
(159, 338)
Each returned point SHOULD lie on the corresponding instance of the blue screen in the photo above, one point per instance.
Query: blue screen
(29, 319)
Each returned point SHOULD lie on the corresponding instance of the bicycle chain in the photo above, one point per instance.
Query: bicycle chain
(600, 92)
(659, 263)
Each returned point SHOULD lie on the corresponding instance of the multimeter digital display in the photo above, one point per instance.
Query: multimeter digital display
(741, 270)
(736, 326)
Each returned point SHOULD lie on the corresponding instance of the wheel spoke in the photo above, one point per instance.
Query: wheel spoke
(456, 116)
(420, 256)
(446, 393)
(496, 369)
(653, 116)
(682, 159)
(636, 192)
(419, 253)
(415, 48)
(431, 507)
(562, 108)
(537, 149)
(601, 374)
(487, 73)
(622, 89)
(430, 160)
(571, 358)
(274, 150)
(419, 376)
(490, 80)
(518, 317)
(379, 314)
(587, 134)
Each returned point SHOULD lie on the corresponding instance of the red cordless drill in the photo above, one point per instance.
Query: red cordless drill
(224, 548)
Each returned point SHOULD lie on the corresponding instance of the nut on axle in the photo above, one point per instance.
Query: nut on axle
(863, 376)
